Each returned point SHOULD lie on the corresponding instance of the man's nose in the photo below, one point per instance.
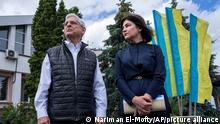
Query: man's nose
(68, 24)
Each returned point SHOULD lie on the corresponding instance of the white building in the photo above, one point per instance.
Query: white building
(15, 50)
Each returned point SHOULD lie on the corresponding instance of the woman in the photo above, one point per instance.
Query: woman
(140, 71)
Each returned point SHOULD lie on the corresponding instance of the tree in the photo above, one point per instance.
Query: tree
(43, 36)
(76, 11)
(174, 4)
(212, 67)
(113, 44)
(61, 13)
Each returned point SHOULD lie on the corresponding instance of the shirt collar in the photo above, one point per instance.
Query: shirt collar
(71, 45)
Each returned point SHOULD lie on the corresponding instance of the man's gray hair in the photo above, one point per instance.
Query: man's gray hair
(77, 17)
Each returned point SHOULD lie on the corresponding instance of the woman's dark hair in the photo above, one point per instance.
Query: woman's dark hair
(139, 22)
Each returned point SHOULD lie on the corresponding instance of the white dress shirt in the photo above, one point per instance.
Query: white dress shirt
(99, 89)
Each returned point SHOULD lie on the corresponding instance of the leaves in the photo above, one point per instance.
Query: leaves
(23, 113)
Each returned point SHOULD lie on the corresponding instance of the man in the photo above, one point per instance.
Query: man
(71, 86)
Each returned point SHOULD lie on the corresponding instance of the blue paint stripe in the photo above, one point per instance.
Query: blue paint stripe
(153, 41)
(161, 43)
(194, 60)
(175, 52)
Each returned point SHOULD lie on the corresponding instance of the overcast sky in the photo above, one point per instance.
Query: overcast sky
(100, 13)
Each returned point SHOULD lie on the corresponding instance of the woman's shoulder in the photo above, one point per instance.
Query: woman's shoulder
(154, 46)
(121, 52)
(154, 49)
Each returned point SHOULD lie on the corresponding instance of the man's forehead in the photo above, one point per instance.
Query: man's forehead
(72, 18)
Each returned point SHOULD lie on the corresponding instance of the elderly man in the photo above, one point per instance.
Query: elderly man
(71, 87)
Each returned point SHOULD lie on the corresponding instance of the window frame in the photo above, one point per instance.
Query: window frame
(23, 35)
(9, 88)
(7, 39)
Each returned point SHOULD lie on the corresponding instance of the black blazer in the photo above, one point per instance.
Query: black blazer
(144, 60)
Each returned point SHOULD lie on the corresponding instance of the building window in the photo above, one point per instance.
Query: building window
(3, 88)
(20, 38)
(4, 30)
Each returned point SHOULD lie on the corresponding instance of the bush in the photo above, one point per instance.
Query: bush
(206, 110)
(23, 113)
(203, 110)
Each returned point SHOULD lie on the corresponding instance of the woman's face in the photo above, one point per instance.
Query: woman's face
(130, 31)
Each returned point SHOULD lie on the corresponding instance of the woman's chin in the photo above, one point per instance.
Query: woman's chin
(127, 38)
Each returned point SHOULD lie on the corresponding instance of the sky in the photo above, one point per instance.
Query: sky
(97, 14)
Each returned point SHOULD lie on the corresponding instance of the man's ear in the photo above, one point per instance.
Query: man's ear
(84, 30)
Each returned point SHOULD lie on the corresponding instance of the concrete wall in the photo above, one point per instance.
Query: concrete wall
(9, 66)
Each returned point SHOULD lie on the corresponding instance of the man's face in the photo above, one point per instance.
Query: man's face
(72, 28)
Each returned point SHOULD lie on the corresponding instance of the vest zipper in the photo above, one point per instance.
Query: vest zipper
(75, 88)
(75, 80)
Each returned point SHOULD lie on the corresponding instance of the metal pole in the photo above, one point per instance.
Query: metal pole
(180, 105)
(190, 108)
(194, 109)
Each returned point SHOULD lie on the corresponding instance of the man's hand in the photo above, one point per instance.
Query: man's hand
(100, 122)
(43, 120)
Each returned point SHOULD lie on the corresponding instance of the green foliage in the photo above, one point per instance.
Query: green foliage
(124, 9)
(43, 35)
(204, 110)
(212, 68)
(23, 113)
(174, 3)
(76, 11)
(114, 43)
(61, 13)
(175, 108)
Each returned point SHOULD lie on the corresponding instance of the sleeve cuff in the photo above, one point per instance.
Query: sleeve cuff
(100, 112)
(41, 113)
(129, 100)
(153, 95)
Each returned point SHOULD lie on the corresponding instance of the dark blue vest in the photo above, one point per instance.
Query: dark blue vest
(71, 98)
